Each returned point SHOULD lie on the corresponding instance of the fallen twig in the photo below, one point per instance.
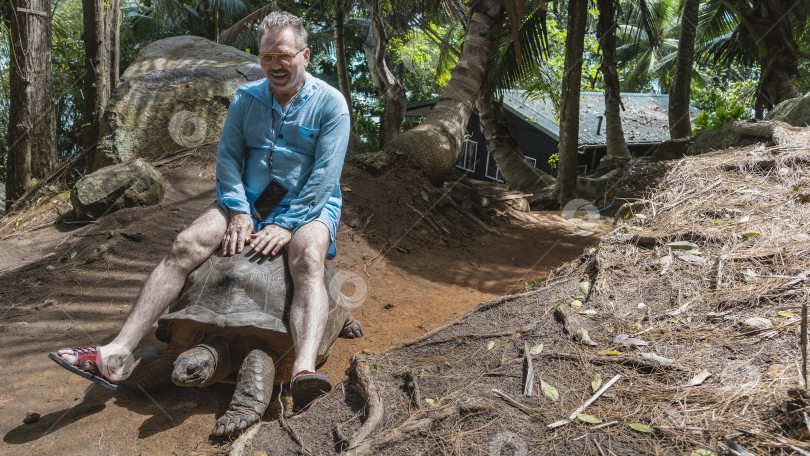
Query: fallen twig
(288, 428)
(586, 404)
(528, 379)
(525, 409)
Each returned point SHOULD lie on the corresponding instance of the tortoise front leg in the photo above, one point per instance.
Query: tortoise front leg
(254, 386)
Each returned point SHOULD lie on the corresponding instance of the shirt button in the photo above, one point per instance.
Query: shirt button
(280, 135)
(313, 203)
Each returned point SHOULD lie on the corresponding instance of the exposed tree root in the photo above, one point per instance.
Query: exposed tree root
(420, 422)
(370, 392)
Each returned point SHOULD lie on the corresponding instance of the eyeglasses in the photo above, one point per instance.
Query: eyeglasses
(284, 57)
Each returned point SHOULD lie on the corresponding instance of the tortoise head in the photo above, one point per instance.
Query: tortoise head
(195, 366)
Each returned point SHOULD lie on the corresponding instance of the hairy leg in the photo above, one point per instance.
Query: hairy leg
(310, 306)
(192, 246)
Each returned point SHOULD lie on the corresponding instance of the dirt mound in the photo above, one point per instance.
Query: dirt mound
(690, 304)
(68, 284)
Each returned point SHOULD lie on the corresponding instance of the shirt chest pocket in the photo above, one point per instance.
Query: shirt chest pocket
(304, 139)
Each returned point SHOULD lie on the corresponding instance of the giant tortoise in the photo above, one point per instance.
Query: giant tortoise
(232, 315)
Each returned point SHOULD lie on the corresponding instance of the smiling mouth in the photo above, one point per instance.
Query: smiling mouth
(279, 74)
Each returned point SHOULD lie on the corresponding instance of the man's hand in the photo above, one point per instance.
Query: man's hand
(270, 239)
(237, 234)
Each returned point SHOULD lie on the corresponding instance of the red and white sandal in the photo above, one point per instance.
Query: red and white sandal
(87, 364)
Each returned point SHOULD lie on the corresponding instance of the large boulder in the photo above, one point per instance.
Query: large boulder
(721, 138)
(136, 183)
(795, 111)
(175, 95)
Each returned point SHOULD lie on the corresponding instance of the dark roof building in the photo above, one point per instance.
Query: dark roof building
(533, 123)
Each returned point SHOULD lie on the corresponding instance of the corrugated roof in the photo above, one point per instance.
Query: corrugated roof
(643, 121)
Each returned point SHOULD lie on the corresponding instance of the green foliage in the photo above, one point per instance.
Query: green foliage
(710, 120)
(724, 95)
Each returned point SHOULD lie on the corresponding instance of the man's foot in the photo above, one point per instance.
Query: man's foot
(106, 365)
(306, 386)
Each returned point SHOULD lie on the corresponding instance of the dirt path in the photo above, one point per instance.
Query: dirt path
(73, 286)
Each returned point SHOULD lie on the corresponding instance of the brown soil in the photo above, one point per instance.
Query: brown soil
(73, 284)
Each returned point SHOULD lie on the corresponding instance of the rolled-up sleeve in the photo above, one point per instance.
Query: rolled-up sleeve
(230, 159)
(324, 179)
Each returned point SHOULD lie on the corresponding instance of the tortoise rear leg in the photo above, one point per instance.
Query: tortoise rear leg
(352, 328)
(254, 386)
(152, 369)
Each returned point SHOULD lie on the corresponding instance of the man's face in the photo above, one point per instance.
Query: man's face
(284, 77)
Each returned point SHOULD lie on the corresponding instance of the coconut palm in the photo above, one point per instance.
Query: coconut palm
(729, 30)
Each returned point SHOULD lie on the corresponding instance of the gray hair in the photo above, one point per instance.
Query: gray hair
(281, 20)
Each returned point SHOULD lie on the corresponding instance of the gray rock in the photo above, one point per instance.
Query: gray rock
(673, 149)
(721, 138)
(136, 183)
(174, 96)
(795, 111)
(756, 323)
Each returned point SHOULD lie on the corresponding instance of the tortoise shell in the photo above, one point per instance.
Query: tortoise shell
(245, 297)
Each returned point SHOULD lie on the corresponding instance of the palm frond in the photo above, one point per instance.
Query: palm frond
(505, 70)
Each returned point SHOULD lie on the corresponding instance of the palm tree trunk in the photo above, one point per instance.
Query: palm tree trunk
(434, 144)
(511, 161)
(569, 109)
(343, 75)
(769, 25)
(616, 144)
(32, 124)
(680, 125)
(101, 56)
(385, 82)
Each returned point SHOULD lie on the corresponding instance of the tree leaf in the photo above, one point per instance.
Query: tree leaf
(750, 233)
(640, 427)
(589, 418)
(536, 350)
(490, 345)
(33, 181)
(611, 352)
(702, 452)
(424, 195)
(786, 314)
(596, 382)
(584, 286)
(53, 189)
(73, 255)
(549, 391)
(429, 400)
(403, 249)
(576, 303)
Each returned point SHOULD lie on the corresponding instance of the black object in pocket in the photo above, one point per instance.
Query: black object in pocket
(269, 199)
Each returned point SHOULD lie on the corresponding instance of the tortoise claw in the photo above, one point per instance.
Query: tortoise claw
(233, 422)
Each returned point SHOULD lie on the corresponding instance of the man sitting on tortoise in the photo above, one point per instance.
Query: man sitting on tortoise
(285, 137)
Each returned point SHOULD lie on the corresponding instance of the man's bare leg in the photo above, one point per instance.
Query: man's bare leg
(310, 307)
(192, 246)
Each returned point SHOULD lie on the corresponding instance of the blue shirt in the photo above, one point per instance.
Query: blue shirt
(308, 157)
